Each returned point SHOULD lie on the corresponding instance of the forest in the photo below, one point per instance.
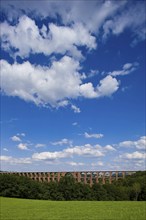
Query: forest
(132, 188)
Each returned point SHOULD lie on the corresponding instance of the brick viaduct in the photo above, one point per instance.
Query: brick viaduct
(87, 177)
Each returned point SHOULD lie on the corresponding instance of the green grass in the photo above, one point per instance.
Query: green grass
(22, 209)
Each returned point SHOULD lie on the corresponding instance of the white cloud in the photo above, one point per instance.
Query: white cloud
(126, 144)
(64, 141)
(52, 85)
(92, 13)
(111, 17)
(86, 150)
(41, 85)
(127, 69)
(75, 109)
(133, 18)
(62, 81)
(59, 39)
(15, 138)
(134, 155)
(87, 90)
(72, 163)
(5, 158)
(12, 160)
(99, 163)
(109, 148)
(40, 145)
(139, 144)
(127, 66)
(22, 146)
(48, 155)
(93, 135)
(107, 86)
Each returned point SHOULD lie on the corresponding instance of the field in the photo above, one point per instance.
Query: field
(22, 209)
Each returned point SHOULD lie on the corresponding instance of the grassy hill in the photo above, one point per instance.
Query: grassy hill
(24, 209)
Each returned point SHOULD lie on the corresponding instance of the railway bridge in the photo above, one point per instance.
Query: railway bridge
(87, 177)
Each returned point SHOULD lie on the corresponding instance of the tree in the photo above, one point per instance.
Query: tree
(99, 192)
(136, 189)
(131, 188)
(66, 187)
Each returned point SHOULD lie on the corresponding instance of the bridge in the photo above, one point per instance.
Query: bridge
(87, 177)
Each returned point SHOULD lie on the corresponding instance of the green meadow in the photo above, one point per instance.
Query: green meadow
(26, 209)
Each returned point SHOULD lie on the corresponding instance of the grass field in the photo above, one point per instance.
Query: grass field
(22, 209)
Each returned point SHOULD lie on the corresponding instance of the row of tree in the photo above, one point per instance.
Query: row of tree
(131, 188)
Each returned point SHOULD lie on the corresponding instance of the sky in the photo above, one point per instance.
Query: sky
(73, 85)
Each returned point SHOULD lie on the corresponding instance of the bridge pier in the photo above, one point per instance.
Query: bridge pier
(103, 178)
(91, 182)
(123, 174)
(97, 181)
(78, 177)
(48, 177)
(110, 177)
(58, 177)
(85, 178)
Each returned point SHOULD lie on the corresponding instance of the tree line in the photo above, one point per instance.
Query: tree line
(130, 188)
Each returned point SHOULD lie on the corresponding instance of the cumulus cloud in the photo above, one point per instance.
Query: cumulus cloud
(99, 163)
(127, 69)
(16, 138)
(48, 155)
(87, 90)
(134, 155)
(93, 135)
(59, 39)
(72, 163)
(52, 85)
(13, 160)
(22, 146)
(139, 144)
(111, 17)
(41, 85)
(62, 81)
(5, 158)
(107, 86)
(109, 148)
(86, 150)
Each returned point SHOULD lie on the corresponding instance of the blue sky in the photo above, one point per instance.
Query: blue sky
(73, 85)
